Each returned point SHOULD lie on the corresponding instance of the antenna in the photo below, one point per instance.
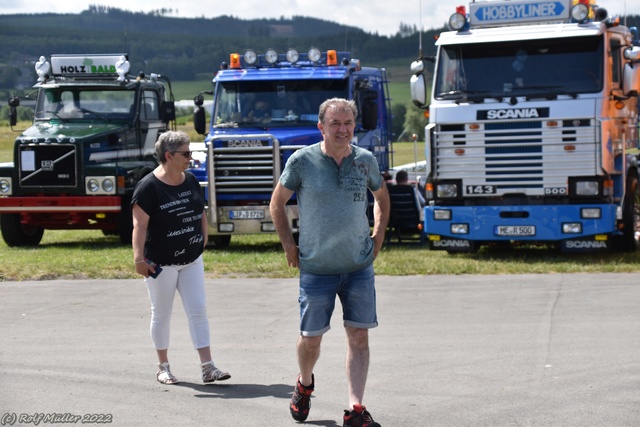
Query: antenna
(420, 31)
(346, 37)
(346, 33)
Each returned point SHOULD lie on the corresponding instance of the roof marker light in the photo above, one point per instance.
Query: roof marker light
(332, 57)
(234, 60)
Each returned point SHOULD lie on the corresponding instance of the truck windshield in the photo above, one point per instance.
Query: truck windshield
(79, 103)
(532, 68)
(278, 103)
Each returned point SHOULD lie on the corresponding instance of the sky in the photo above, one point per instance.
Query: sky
(381, 16)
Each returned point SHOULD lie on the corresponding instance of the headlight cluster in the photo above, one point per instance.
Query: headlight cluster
(271, 56)
(100, 185)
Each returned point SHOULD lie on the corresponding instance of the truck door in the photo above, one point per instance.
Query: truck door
(150, 123)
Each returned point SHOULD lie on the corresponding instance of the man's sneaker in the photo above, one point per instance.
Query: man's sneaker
(359, 417)
(301, 400)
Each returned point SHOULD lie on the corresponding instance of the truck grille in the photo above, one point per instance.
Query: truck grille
(522, 157)
(245, 169)
(47, 165)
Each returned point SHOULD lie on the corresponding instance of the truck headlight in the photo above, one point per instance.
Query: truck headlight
(590, 213)
(448, 190)
(572, 228)
(579, 12)
(292, 56)
(92, 185)
(459, 228)
(250, 57)
(587, 188)
(314, 54)
(457, 21)
(441, 214)
(108, 185)
(5, 186)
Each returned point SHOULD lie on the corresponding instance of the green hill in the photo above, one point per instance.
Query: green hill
(190, 48)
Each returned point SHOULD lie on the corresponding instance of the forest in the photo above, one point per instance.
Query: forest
(186, 48)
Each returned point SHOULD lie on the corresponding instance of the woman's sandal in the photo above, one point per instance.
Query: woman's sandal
(211, 374)
(164, 375)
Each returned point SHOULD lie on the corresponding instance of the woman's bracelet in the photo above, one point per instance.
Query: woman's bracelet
(139, 262)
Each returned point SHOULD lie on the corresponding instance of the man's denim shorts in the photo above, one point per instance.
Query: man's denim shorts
(318, 297)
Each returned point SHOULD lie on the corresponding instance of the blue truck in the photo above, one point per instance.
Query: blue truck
(265, 106)
(533, 128)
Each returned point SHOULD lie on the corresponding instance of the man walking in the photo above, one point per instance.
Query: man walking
(331, 180)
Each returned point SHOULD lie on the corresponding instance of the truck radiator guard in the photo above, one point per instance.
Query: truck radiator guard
(47, 165)
(245, 169)
(515, 157)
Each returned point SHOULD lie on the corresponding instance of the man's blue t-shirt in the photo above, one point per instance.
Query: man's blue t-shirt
(335, 235)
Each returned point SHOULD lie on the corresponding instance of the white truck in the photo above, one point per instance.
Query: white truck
(533, 128)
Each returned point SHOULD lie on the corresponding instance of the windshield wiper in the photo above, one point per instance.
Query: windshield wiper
(226, 125)
(554, 91)
(55, 115)
(476, 96)
(100, 116)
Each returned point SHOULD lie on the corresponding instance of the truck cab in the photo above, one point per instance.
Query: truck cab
(533, 126)
(92, 139)
(265, 106)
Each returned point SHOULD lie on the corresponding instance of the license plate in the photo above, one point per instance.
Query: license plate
(515, 230)
(252, 214)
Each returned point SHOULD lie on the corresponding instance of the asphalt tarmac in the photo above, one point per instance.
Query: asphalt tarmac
(504, 350)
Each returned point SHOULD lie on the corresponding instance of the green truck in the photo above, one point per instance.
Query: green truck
(92, 139)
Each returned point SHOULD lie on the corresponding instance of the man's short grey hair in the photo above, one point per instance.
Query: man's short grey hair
(170, 142)
(337, 103)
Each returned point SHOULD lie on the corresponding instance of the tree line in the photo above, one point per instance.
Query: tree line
(184, 48)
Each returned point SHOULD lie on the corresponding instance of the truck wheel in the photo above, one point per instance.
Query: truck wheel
(16, 234)
(631, 215)
(220, 241)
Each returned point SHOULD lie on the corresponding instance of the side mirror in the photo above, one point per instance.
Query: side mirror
(369, 110)
(632, 54)
(631, 73)
(631, 79)
(199, 120)
(167, 111)
(13, 102)
(418, 86)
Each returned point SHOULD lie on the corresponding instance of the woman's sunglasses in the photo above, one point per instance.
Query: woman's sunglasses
(187, 154)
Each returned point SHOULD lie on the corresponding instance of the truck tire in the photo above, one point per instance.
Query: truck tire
(631, 215)
(220, 241)
(16, 234)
